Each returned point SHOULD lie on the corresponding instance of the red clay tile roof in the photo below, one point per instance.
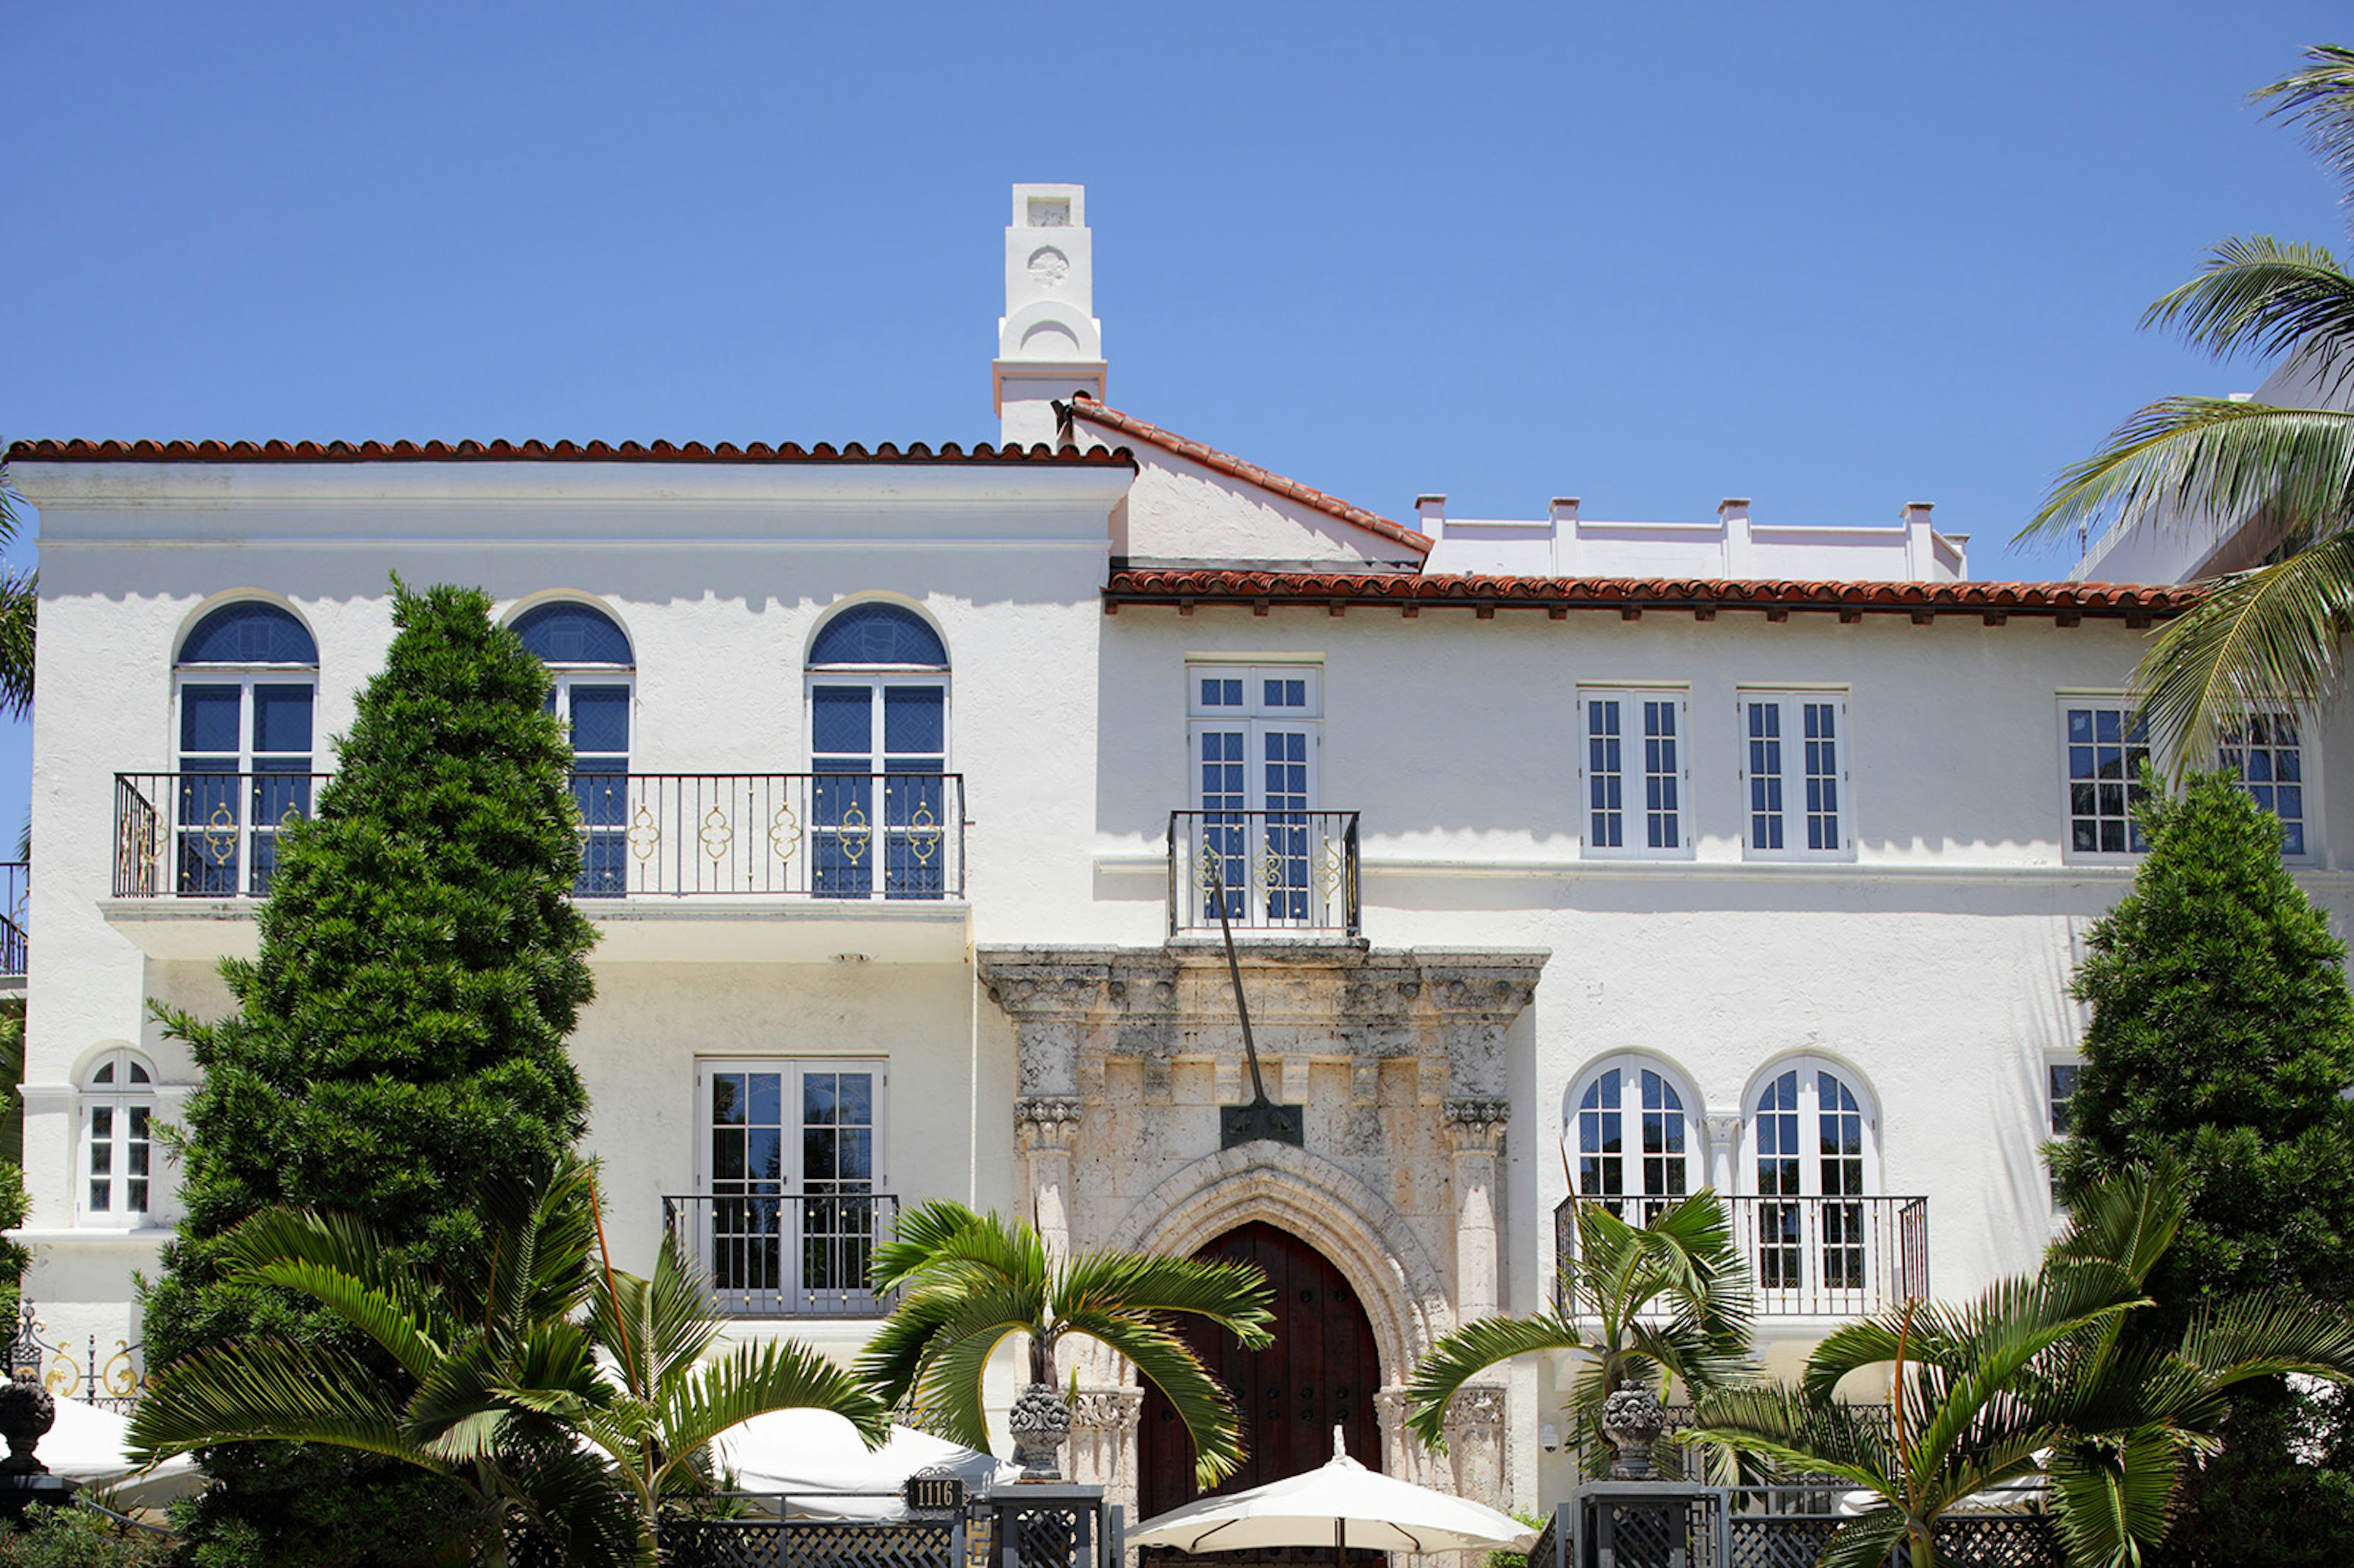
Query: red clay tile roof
(1083, 406)
(547, 452)
(2065, 601)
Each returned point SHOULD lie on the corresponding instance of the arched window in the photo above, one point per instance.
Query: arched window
(244, 686)
(1812, 1155)
(878, 703)
(1631, 1135)
(118, 1145)
(589, 657)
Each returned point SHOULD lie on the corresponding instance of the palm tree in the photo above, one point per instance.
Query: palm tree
(2268, 637)
(2037, 1377)
(498, 1376)
(20, 601)
(1669, 1300)
(969, 1280)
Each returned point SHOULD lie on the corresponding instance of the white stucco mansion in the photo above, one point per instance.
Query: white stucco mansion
(1569, 858)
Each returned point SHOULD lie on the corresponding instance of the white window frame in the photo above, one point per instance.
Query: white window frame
(249, 833)
(120, 1099)
(794, 1183)
(1791, 702)
(1255, 718)
(1810, 1180)
(1631, 1066)
(2054, 1133)
(2097, 702)
(1633, 773)
(2309, 781)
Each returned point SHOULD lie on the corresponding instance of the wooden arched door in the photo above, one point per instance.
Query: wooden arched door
(1321, 1371)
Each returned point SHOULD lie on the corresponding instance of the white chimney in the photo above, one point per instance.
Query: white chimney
(1049, 346)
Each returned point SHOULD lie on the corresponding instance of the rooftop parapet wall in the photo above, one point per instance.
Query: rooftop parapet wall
(1565, 543)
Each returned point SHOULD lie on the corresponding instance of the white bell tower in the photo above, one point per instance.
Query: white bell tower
(1049, 344)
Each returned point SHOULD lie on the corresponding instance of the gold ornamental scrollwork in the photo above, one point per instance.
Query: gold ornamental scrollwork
(716, 834)
(645, 833)
(852, 828)
(1331, 867)
(923, 833)
(220, 834)
(64, 1376)
(120, 1377)
(785, 832)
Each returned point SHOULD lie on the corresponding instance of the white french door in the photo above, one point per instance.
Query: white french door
(789, 1162)
(1813, 1161)
(1255, 732)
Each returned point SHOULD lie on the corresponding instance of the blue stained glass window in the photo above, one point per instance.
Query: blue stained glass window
(568, 633)
(281, 719)
(250, 633)
(208, 716)
(879, 634)
(914, 720)
(841, 721)
(601, 720)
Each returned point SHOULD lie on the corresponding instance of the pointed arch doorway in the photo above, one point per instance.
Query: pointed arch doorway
(1320, 1371)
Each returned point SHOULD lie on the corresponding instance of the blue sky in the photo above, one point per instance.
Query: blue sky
(1831, 257)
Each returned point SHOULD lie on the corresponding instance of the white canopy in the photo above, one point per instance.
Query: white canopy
(88, 1445)
(1343, 1504)
(815, 1455)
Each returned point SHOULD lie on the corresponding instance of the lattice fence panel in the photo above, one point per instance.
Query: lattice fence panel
(2014, 1541)
(1769, 1540)
(1655, 1537)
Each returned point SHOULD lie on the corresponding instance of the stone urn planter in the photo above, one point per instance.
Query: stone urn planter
(1041, 1423)
(1632, 1420)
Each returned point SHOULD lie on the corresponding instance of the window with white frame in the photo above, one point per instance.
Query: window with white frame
(1794, 774)
(595, 674)
(1631, 1136)
(245, 683)
(1635, 772)
(2267, 751)
(2104, 744)
(118, 1111)
(1255, 732)
(1812, 1157)
(878, 706)
(790, 1178)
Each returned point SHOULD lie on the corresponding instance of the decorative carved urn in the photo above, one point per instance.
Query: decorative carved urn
(26, 1411)
(1632, 1420)
(1040, 1422)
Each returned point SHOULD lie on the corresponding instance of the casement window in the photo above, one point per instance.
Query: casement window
(1794, 775)
(2106, 744)
(1633, 1138)
(2267, 751)
(1634, 774)
(2060, 1074)
(118, 1111)
(245, 683)
(595, 673)
(789, 1176)
(1812, 1157)
(1253, 734)
(878, 706)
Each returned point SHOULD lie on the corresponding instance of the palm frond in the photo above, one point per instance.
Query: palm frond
(2233, 1341)
(1867, 1540)
(2260, 641)
(2320, 99)
(268, 1391)
(1233, 1296)
(894, 1356)
(2194, 460)
(752, 1379)
(1457, 1358)
(1781, 1424)
(2256, 294)
(947, 1390)
(2111, 1499)
(1205, 1407)
(2127, 1219)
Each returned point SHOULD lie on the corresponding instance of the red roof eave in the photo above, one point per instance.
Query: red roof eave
(555, 451)
(2065, 601)
(1083, 406)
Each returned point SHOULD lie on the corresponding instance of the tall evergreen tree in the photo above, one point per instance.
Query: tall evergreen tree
(2223, 1034)
(398, 1044)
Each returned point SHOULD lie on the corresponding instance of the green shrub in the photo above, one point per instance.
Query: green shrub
(79, 1538)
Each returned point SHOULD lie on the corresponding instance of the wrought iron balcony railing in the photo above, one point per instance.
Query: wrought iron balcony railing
(1809, 1257)
(15, 886)
(1278, 870)
(810, 835)
(779, 1254)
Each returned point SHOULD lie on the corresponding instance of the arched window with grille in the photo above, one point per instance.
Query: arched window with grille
(1811, 1158)
(595, 673)
(245, 683)
(118, 1155)
(878, 706)
(1631, 1135)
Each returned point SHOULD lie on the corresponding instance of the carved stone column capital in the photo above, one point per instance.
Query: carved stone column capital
(1477, 1411)
(1045, 1121)
(1475, 1123)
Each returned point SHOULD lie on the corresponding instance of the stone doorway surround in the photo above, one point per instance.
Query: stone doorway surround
(1398, 1056)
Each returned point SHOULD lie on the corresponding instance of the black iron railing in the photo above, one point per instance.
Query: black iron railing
(109, 1379)
(809, 835)
(1278, 870)
(800, 1255)
(1809, 1257)
(15, 886)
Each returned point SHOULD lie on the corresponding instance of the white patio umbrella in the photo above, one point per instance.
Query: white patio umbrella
(87, 1444)
(815, 1457)
(1343, 1503)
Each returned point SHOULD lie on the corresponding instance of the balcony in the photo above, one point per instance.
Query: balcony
(1809, 1257)
(15, 884)
(786, 1255)
(715, 867)
(1284, 872)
